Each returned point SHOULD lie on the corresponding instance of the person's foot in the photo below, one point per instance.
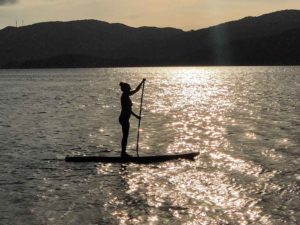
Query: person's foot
(125, 155)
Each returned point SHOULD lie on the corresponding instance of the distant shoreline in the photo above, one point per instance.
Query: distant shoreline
(165, 66)
(270, 40)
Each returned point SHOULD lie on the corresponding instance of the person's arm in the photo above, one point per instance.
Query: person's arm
(137, 88)
(136, 116)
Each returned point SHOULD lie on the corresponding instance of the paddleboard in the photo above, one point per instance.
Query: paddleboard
(138, 160)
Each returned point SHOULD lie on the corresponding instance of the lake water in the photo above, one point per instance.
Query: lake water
(244, 121)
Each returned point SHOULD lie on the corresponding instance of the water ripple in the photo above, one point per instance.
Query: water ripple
(244, 121)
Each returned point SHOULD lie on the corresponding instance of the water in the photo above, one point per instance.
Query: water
(244, 121)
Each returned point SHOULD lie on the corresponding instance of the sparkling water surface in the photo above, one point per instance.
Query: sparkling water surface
(244, 121)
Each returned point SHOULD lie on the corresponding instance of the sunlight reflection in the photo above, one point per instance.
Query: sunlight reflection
(271, 154)
(227, 161)
(197, 100)
(104, 169)
(251, 135)
(192, 198)
(190, 110)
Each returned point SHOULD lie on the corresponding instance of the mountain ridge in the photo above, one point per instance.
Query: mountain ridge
(93, 43)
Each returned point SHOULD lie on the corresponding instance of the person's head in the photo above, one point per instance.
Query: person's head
(125, 87)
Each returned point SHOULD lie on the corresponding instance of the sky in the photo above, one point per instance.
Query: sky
(182, 14)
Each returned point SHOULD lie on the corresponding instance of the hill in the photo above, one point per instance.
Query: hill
(270, 39)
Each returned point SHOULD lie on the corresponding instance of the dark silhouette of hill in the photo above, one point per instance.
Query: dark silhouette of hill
(270, 39)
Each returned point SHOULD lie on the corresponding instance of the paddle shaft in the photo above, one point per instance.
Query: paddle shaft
(138, 133)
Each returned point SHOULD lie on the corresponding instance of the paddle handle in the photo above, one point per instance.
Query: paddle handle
(140, 114)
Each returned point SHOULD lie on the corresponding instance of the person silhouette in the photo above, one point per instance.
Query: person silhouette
(126, 112)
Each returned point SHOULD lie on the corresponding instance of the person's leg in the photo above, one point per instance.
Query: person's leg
(125, 131)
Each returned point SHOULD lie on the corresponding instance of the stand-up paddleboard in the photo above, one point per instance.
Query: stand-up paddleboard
(138, 160)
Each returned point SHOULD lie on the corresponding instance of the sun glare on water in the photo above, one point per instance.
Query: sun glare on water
(194, 104)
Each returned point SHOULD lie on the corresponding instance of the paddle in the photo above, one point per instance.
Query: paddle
(138, 133)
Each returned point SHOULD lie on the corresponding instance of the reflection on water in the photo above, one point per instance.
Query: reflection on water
(244, 121)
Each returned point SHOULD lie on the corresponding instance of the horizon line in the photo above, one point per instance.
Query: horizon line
(137, 27)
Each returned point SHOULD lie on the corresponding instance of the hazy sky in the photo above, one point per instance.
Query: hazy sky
(184, 14)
